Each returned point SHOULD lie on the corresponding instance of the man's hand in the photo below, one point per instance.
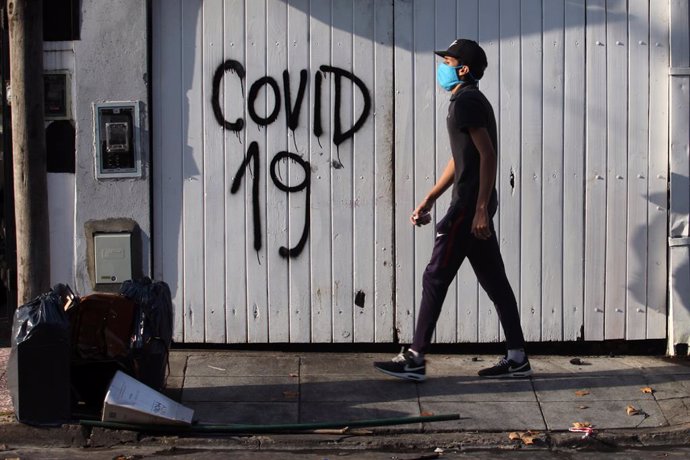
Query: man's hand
(480, 224)
(422, 215)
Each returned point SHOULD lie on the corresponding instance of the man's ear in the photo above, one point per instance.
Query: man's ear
(463, 70)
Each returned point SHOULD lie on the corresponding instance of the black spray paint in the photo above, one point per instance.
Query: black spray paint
(338, 135)
(318, 130)
(292, 112)
(254, 92)
(233, 66)
(253, 157)
(305, 184)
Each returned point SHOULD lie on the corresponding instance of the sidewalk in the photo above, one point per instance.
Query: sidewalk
(250, 387)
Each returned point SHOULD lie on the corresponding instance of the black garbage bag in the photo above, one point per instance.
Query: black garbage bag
(103, 325)
(154, 327)
(38, 371)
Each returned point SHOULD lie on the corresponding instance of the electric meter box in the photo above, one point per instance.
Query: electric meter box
(118, 140)
(113, 252)
(57, 90)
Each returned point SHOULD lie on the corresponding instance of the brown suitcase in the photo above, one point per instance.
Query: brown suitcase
(102, 327)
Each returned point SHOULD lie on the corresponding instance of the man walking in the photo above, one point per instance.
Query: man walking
(467, 229)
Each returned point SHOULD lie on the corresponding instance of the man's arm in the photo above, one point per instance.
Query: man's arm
(420, 216)
(487, 178)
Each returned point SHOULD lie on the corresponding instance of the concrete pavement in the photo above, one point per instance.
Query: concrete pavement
(260, 387)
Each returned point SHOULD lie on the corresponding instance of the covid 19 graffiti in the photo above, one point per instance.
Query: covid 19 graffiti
(292, 112)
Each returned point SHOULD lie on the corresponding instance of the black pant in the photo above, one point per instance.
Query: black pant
(454, 242)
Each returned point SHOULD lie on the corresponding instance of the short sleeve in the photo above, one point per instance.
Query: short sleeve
(470, 113)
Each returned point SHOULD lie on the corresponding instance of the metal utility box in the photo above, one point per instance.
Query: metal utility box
(57, 90)
(118, 140)
(113, 253)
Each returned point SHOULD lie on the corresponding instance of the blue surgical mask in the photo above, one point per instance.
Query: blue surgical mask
(447, 76)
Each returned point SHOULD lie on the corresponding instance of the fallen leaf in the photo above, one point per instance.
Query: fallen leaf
(581, 392)
(426, 413)
(438, 450)
(647, 390)
(529, 437)
(631, 410)
(581, 424)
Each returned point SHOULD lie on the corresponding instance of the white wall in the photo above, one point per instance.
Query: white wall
(110, 65)
(580, 92)
(582, 176)
(221, 252)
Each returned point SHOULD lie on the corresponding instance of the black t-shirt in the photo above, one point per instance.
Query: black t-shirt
(469, 108)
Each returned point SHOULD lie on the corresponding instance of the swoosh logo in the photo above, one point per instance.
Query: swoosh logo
(514, 369)
(413, 369)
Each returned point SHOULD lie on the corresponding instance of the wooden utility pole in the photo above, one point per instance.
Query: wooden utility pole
(25, 19)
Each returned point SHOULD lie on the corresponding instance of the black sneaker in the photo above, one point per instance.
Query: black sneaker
(507, 368)
(403, 366)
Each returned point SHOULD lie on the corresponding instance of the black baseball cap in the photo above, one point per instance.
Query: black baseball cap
(469, 53)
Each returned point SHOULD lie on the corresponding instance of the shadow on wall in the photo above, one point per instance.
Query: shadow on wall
(638, 282)
(679, 273)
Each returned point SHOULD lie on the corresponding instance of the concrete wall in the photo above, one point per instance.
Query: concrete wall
(110, 65)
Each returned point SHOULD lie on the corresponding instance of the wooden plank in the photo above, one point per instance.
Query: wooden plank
(320, 153)
(405, 288)
(238, 241)
(573, 171)
(531, 177)
(193, 173)
(679, 216)
(297, 46)
(508, 183)
(363, 163)
(638, 154)
(657, 182)
(444, 31)
(277, 213)
(595, 176)
(384, 174)
(424, 81)
(616, 190)
(552, 172)
(342, 177)
(489, 325)
(214, 180)
(167, 175)
(467, 286)
(257, 261)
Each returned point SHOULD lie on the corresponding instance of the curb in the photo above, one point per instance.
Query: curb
(18, 434)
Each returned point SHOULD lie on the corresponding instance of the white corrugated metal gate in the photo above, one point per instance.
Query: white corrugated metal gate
(293, 138)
